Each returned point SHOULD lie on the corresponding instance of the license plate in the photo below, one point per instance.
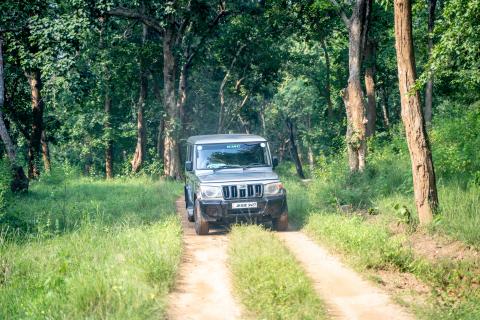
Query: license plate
(244, 205)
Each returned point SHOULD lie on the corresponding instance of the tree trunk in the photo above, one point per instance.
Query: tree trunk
(221, 91)
(352, 94)
(34, 79)
(108, 128)
(19, 180)
(161, 122)
(311, 158)
(242, 121)
(183, 85)
(423, 172)
(262, 119)
(3, 128)
(294, 149)
(171, 155)
(327, 80)
(45, 152)
(386, 120)
(429, 87)
(140, 149)
(370, 88)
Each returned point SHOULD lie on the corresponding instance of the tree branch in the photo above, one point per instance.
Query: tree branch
(340, 11)
(134, 14)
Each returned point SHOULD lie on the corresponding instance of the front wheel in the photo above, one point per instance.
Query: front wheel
(201, 225)
(280, 223)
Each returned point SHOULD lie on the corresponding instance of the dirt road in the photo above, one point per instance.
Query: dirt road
(203, 289)
(346, 294)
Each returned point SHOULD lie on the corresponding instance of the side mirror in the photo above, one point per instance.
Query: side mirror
(188, 166)
(274, 162)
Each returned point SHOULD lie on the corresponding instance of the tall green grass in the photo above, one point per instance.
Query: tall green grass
(268, 279)
(76, 248)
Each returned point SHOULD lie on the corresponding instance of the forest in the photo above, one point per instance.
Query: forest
(372, 108)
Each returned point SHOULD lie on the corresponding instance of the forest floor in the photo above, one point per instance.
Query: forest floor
(205, 278)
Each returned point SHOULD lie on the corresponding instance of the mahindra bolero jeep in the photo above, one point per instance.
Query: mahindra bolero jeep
(229, 178)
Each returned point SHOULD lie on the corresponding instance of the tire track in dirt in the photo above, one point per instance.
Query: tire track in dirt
(345, 293)
(203, 289)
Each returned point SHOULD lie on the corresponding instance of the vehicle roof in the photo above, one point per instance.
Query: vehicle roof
(224, 138)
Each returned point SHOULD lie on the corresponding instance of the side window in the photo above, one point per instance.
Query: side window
(189, 152)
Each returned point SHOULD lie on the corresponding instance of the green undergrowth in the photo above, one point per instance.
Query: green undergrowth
(77, 248)
(268, 279)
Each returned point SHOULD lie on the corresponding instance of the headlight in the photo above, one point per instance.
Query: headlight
(272, 189)
(211, 192)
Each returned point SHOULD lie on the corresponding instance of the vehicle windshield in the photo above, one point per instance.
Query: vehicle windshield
(232, 155)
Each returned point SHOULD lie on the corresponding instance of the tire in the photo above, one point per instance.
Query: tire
(201, 225)
(280, 223)
(191, 218)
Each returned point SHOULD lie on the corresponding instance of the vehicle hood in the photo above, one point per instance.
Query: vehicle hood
(237, 176)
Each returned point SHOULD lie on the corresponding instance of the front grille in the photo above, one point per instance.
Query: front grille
(242, 191)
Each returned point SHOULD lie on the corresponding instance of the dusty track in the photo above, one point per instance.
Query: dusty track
(203, 288)
(346, 294)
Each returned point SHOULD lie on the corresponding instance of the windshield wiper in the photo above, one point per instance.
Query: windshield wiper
(226, 167)
(254, 165)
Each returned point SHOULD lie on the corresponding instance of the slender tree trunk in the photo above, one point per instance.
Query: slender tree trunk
(108, 128)
(34, 79)
(6, 138)
(311, 158)
(327, 80)
(386, 120)
(171, 155)
(242, 121)
(183, 85)
(429, 87)
(45, 152)
(19, 180)
(140, 149)
(161, 122)
(423, 172)
(262, 119)
(3, 128)
(107, 107)
(281, 148)
(370, 88)
(352, 94)
(294, 149)
(221, 91)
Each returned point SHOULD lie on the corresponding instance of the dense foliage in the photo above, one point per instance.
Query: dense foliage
(270, 61)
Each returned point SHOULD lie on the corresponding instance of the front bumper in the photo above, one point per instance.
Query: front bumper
(222, 211)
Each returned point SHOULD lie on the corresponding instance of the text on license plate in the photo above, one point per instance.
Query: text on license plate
(244, 205)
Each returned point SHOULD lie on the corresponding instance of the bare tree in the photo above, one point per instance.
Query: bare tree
(423, 172)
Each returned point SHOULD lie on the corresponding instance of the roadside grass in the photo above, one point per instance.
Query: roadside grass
(455, 284)
(372, 246)
(268, 279)
(81, 248)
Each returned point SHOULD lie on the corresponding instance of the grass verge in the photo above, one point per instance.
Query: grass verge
(90, 250)
(268, 279)
(371, 247)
